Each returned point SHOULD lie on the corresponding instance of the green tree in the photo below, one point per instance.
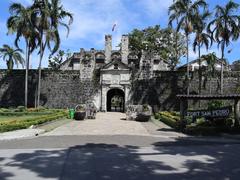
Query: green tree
(173, 47)
(201, 38)
(157, 41)
(184, 11)
(138, 40)
(49, 16)
(11, 56)
(20, 23)
(224, 28)
(55, 61)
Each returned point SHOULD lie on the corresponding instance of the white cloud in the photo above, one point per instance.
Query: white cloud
(24, 2)
(155, 8)
(93, 19)
(193, 55)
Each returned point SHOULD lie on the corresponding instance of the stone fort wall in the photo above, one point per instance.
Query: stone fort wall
(63, 89)
(59, 89)
(160, 92)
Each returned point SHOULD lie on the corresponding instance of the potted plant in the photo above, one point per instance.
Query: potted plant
(145, 114)
(80, 112)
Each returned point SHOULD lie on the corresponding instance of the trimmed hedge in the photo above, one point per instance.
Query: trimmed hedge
(169, 118)
(168, 121)
(170, 115)
(22, 124)
(33, 111)
(24, 113)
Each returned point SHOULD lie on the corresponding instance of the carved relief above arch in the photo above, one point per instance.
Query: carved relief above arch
(100, 57)
(116, 55)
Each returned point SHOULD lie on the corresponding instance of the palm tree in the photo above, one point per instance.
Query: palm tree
(224, 28)
(210, 70)
(20, 23)
(201, 38)
(49, 16)
(11, 56)
(184, 11)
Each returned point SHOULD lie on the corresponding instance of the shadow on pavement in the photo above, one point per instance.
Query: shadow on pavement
(167, 130)
(110, 161)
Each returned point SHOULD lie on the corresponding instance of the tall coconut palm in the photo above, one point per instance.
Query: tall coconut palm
(224, 29)
(184, 11)
(201, 39)
(20, 23)
(49, 16)
(11, 56)
(176, 41)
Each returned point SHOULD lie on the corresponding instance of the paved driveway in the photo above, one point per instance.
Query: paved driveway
(104, 124)
(109, 161)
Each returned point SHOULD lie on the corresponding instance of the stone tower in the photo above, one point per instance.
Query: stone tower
(124, 48)
(108, 48)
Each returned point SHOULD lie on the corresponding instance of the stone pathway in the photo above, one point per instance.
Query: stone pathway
(104, 124)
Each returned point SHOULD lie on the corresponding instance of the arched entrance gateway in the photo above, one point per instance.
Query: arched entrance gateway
(115, 86)
(115, 100)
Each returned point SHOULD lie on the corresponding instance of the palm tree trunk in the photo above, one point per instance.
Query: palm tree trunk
(199, 70)
(221, 78)
(80, 69)
(210, 86)
(39, 80)
(26, 73)
(176, 45)
(188, 79)
(199, 73)
(10, 63)
(40, 72)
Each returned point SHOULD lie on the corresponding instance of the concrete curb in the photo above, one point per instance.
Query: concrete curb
(21, 134)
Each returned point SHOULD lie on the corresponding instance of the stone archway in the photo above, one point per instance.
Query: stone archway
(115, 100)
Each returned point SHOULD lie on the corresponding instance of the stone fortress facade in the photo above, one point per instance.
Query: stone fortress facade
(115, 68)
(101, 75)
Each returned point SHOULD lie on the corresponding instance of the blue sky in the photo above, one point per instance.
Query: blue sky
(94, 18)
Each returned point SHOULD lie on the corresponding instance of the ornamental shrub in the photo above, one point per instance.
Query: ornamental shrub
(157, 116)
(214, 104)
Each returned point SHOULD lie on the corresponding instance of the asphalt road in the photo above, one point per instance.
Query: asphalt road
(118, 157)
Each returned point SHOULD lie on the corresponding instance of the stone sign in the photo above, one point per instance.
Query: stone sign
(215, 113)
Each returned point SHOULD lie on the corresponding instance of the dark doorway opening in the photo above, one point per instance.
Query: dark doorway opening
(115, 100)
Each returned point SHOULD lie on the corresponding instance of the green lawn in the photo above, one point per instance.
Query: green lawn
(12, 120)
